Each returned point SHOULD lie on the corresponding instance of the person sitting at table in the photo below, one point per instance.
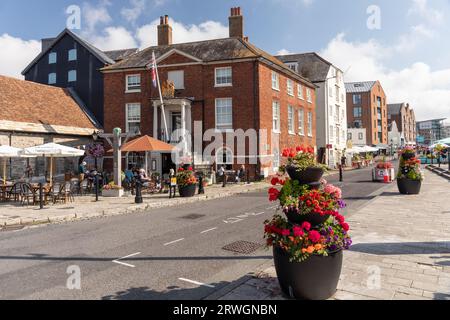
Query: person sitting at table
(143, 177)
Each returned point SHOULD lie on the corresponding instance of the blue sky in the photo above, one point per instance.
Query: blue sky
(410, 53)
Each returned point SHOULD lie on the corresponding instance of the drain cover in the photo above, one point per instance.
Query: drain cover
(193, 216)
(243, 247)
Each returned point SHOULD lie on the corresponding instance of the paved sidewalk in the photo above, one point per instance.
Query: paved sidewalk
(401, 250)
(86, 207)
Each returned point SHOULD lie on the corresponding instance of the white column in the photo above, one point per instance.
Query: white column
(155, 120)
(183, 125)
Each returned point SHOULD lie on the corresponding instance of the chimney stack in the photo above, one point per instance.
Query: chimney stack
(236, 23)
(164, 32)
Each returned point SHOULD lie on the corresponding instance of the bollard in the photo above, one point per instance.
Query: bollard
(201, 189)
(41, 196)
(138, 199)
(96, 188)
(341, 173)
(224, 183)
(248, 177)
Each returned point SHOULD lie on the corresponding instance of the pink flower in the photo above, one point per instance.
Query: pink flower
(314, 236)
(286, 232)
(306, 226)
(298, 232)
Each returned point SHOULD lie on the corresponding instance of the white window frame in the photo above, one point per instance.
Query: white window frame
(182, 87)
(227, 84)
(331, 132)
(275, 81)
(127, 119)
(290, 87)
(72, 72)
(276, 116)
(127, 84)
(301, 122)
(310, 124)
(56, 78)
(293, 66)
(75, 58)
(300, 93)
(52, 54)
(276, 160)
(224, 126)
(291, 120)
(309, 95)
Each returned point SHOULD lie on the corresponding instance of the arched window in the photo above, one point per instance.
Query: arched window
(224, 157)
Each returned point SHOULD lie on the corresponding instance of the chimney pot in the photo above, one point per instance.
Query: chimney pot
(166, 19)
(236, 23)
(161, 20)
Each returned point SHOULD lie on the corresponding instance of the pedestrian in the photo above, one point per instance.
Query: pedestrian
(82, 171)
(241, 174)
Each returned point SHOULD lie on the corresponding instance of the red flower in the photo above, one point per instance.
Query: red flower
(310, 150)
(306, 226)
(345, 226)
(285, 232)
(300, 149)
(286, 153)
(180, 170)
(298, 232)
(314, 236)
(292, 153)
(275, 181)
(191, 169)
(340, 219)
(273, 194)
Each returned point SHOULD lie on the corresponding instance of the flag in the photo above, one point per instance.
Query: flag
(154, 76)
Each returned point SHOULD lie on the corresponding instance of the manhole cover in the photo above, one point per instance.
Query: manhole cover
(243, 247)
(193, 216)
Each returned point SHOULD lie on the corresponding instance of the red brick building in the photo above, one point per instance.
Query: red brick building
(227, 84)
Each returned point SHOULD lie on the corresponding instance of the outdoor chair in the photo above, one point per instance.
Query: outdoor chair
(15, 192)
(64, 194)
(27, 194)
(52, 194)
(84, 187)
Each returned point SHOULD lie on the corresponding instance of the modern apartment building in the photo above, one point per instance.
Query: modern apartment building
(367, 108)
(430, 131)
(403, 115)
(226, 84)
(331, 113)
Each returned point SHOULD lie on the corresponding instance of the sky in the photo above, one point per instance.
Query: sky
(403, 43)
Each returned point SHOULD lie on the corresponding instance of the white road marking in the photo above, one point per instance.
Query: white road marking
(196, 283)
(169, 243)
(209, 230)
(259, 213)
(123, 258)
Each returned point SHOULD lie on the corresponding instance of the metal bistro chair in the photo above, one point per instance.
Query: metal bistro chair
(27, 194)
(15, 192)
(64, 193)
(84, 187)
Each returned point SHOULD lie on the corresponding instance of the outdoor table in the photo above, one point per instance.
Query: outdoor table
(45, 191)
(4, 188)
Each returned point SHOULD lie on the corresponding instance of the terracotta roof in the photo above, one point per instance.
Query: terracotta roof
(148, 144)
(29, 102)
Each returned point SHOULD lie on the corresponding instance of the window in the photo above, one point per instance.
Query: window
(72, 76)
(342, 97)
(330, 111)
(276, 160)
(133, 117)
(52, 58)
(357, 99)
(290, 87)
(291, 129)
(301, 121)
(73, 55)
(310, 124)
(308, 95)
(337, 93)
(133, 83)
(330, 91)
(360, 136)
(300, 92)
(224, 77)
(349, 136)
(293, 66)
(358, 123)
(177, 77)
(331, 132)
(357, 112)
(224, 113)
(276, 116)
(275, 81)
(52, 78)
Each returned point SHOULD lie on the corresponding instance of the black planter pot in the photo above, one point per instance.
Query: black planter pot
(408, 156)
(407, 186)
(314, 219)
(316, 278)
(307, 176)
(188, 191)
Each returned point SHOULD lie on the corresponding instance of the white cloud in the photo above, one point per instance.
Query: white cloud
(421, 9)
(113, 38)
(136, 9)
(147, 34)
(16, 54)
(427, 90)
(94, 15)
(283, 52)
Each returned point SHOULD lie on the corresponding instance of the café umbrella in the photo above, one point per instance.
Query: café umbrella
(8, 152)
(52, 150)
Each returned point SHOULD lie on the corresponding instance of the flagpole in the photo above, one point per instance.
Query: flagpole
(161, 97)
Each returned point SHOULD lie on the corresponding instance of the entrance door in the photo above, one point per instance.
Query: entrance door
(167, 163)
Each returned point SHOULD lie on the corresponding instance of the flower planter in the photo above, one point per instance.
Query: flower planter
(314, 219)
(187, 191)
(408, 156)
(113, 193)
(407, 186)
(316, 278)
(307, 176)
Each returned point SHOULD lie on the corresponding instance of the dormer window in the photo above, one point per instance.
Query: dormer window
(52, 58)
